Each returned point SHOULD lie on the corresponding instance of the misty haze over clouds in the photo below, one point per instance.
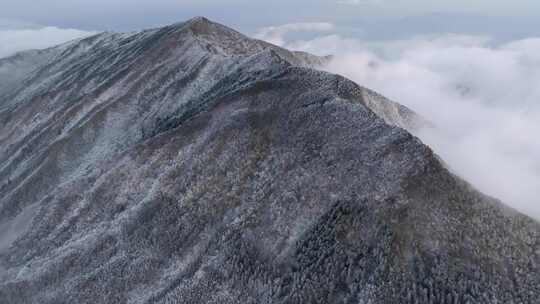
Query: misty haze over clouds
(18, 36)
(476, 80)
(482, 97)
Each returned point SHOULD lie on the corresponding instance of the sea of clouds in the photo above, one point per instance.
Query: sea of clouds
(482, 97)
(18, 36)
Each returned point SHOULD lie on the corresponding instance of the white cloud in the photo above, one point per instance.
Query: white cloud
(484, 100)
(15, 40)
(276, 34)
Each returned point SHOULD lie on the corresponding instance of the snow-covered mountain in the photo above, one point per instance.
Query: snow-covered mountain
(192, 164)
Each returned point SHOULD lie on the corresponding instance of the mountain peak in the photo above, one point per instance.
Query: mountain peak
(203, 26)
(221, 39)
(199, 20)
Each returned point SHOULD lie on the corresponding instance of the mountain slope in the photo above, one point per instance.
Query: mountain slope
(16, 68)
(191, 164)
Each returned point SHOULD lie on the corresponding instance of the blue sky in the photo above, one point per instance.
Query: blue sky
(248, 15)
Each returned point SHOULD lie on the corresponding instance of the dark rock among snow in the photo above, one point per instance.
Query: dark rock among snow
(191, 164)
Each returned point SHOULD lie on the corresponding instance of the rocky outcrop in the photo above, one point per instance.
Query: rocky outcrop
(191, 164)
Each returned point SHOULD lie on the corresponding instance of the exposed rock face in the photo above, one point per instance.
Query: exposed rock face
(190, 164)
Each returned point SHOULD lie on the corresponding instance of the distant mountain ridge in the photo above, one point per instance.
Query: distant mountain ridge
(192, 164)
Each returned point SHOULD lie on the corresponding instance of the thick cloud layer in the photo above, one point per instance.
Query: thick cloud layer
(277, 34)
(14, 38)
(484, 100)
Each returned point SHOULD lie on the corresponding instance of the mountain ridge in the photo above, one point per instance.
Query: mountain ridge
(162, 167)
